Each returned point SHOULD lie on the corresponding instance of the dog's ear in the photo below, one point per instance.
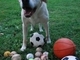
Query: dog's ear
(44, 0)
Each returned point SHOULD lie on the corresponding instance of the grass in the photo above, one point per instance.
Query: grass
(64, 22)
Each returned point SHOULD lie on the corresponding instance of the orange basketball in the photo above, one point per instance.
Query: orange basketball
(64, 47)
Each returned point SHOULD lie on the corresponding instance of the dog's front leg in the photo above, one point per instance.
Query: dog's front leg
(24, 31)
(40, 28)
(31, 28)
(46, 27)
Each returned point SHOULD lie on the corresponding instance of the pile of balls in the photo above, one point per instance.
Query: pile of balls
(39, 55)
(63, 49)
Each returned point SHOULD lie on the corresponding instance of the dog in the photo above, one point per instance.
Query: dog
(34, 12)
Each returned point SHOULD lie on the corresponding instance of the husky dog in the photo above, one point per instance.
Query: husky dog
(34, 12)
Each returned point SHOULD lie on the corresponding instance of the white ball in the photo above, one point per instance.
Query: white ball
(69, 58)
(16, 57)
(30, 56)
(37, 40)
(13, 53)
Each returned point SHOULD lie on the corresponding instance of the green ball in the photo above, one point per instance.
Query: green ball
(31, 59)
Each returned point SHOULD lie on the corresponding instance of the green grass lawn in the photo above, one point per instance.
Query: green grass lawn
(64, 22)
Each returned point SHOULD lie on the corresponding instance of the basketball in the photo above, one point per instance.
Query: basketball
(64, 47)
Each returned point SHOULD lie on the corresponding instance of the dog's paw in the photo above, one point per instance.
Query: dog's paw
(23, 48)
(31, 29)
(41, 30)
(48, 40)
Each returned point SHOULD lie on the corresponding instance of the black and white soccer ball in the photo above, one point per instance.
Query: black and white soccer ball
(37, 40)
(70, 58)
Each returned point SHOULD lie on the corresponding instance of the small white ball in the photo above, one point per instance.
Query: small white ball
(12, 53)
(16, 57)
(45, 53)
(38, 54)
(39, 49)
(29, 56)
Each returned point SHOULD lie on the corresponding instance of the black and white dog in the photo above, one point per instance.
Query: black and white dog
(34, 11)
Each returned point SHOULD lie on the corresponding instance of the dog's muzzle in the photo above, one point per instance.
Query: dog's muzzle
(28, 12)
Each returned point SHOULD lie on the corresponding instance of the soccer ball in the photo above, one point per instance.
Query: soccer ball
(37, 40)
(70, 58)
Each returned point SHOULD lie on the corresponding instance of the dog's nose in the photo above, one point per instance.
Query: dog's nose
(26, 4)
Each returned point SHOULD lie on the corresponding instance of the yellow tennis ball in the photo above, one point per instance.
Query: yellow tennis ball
(7, 53)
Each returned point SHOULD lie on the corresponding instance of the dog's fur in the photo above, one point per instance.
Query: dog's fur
(34, 11)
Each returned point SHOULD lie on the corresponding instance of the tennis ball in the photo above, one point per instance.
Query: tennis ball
(6, 53)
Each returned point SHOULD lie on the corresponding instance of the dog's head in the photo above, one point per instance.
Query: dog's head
(29, 6)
